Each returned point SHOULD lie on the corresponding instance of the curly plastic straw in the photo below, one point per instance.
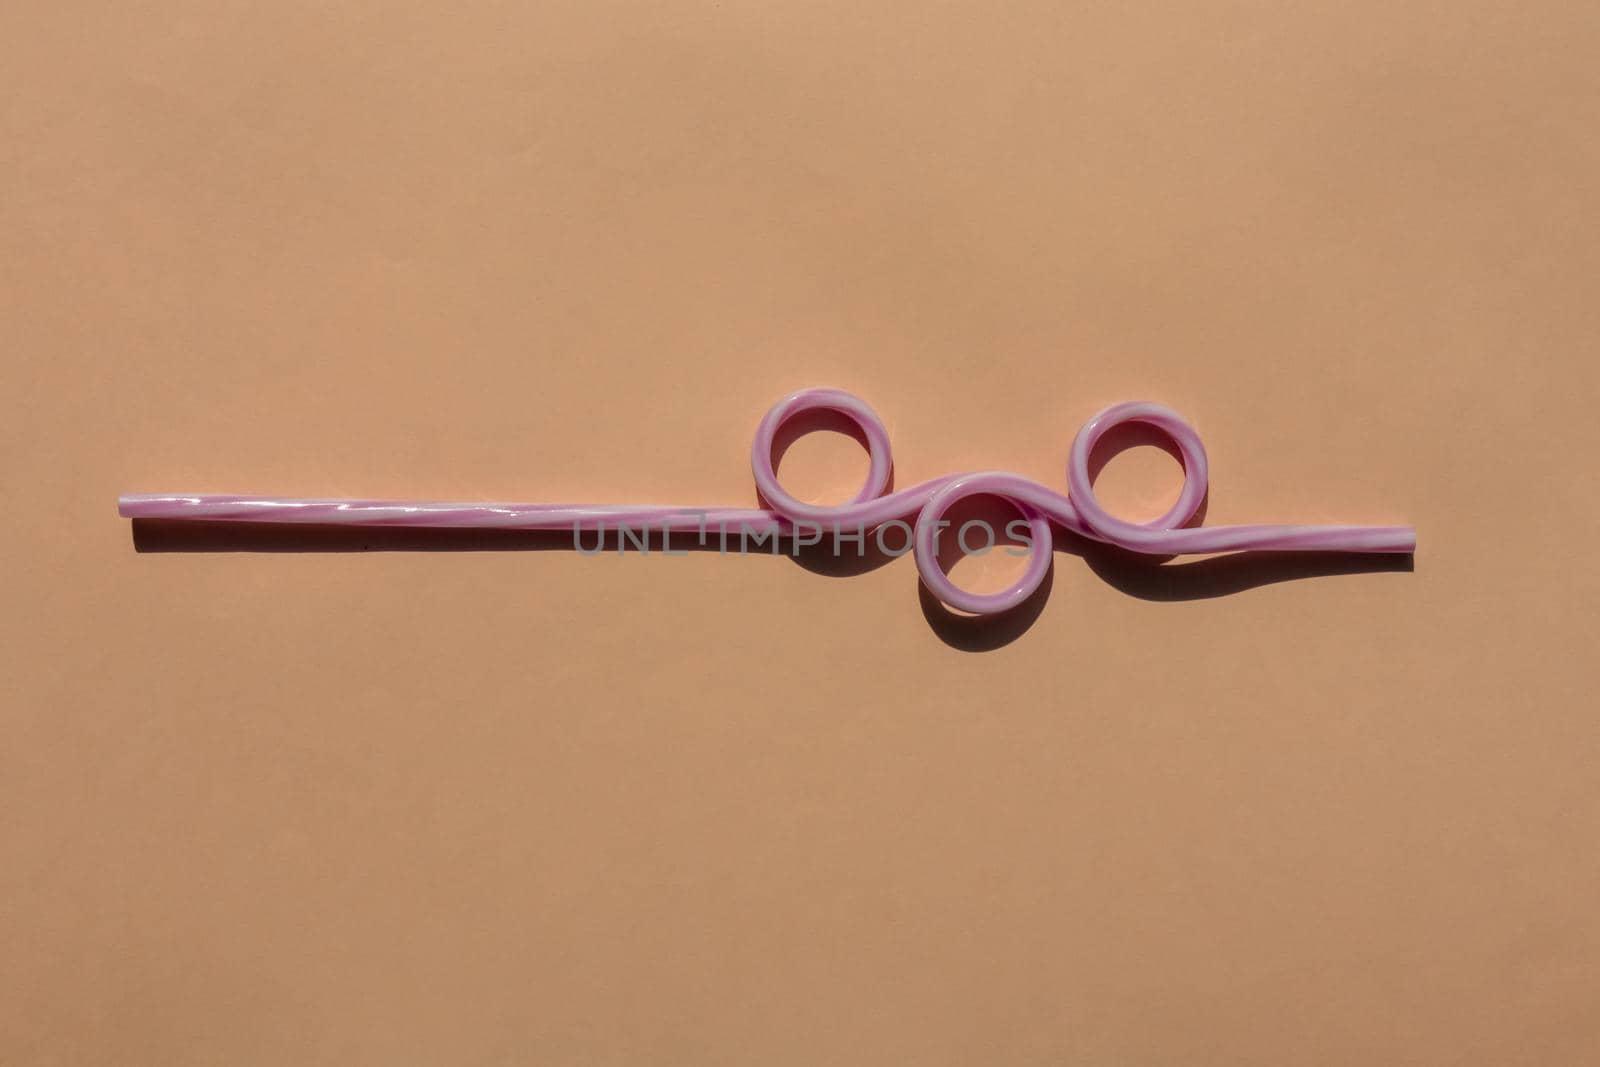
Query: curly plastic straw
(1078, 512)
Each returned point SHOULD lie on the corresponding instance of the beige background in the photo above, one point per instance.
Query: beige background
(272, 801)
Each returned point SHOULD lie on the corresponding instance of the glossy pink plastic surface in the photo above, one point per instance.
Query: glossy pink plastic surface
(1077, 511)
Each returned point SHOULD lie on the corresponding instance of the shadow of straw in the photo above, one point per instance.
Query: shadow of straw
(1152, 578)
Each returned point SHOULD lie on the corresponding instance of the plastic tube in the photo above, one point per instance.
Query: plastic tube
(1077, 510)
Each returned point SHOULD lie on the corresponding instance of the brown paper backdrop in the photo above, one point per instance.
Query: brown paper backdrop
(265, 807)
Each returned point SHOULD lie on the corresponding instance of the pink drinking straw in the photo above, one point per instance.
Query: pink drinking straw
(1040, 506)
